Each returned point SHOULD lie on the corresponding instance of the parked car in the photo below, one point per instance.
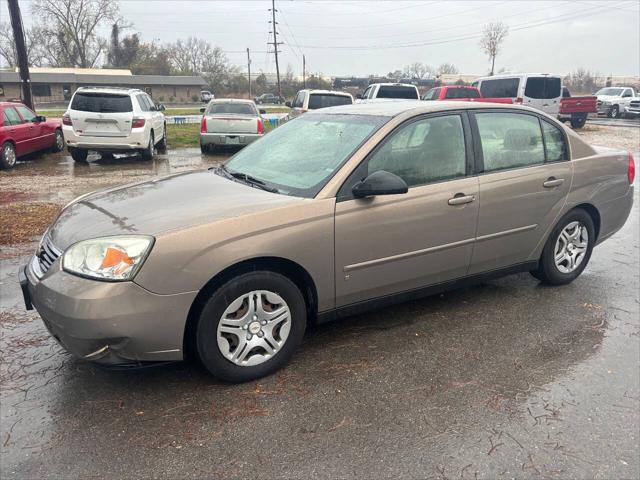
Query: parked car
(230, 121)
(576, 109)
(537, 90)
(206, 95)
(314, 99)
(612, 101)
(633, 109)
(22, 131)
(113, 120)
(390, 91)
(461, 94)
(338, 211)
(268, 98)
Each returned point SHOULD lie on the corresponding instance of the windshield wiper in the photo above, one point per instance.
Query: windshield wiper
(248, 179)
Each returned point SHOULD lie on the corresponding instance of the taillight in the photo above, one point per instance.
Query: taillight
(203, 125)
(260, 127)
(631, 169)
(66, 120)
(518, 101)
(138, 122)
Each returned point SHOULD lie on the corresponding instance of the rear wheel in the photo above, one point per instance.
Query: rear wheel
(578, 121)
(250, 326)
(58, 145)
(162, 145)
(568, 249)
(204, 149)
(147, 153)
(8, 155)
(79, 155)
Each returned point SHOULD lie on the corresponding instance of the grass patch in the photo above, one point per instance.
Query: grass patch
(20, 222)
(188, 134)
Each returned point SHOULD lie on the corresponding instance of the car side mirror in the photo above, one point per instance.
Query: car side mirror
(262, 111)
(380, 183)
(201, 109)
(288, 104)
(39, 119)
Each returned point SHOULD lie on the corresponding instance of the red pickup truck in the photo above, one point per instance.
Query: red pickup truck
(461, 94)
(23, 132)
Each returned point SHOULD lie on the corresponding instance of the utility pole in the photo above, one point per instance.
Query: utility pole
(275, 42)
(304, 76)
(21, 50)
(249, 72)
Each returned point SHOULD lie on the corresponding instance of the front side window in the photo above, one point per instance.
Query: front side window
(627, 93)
(500, 88)
(510, 140)
(297, 103)
(11, 117)
(26, 114)
(299, 157)
(555, 143)
(323, 100)
(367, 92)
(101, 102)
(424, 151)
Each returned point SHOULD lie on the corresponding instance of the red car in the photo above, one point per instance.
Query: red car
(461, 93)
(23, 132)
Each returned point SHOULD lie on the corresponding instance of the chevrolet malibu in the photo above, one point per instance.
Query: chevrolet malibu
(338, 211)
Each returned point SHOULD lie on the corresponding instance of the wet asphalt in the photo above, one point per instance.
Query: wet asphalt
(507, 379)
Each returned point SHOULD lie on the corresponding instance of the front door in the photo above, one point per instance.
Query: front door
(396, 243)
(523, 188)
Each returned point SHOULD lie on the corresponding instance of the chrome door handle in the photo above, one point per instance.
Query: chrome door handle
(553, 182)
(461, 199)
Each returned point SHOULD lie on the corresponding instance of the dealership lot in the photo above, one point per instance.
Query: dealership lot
(505, 379)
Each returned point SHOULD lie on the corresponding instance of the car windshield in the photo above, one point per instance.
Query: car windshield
(323, 100)
(609, 91)
(101, 102)
(299, 157)
(232, 108)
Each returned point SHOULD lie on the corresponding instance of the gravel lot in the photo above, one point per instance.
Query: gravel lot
(507, 379)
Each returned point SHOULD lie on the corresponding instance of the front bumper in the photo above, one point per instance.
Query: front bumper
(228, 138)
(111, 323)
(633, 112)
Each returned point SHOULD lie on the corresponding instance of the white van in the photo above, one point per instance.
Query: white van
(542, 91)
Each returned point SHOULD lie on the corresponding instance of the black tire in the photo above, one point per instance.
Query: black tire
(162, 144)
(79, 155)
(613, 112)
(204, 149)
(58, 145)
(147, 153)
(206, 330)
(547, 271)
(8, 156)
(578, 121)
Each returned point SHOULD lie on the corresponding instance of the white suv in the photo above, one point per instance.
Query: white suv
(113, 120)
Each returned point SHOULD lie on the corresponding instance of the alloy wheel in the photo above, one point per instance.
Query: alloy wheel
(254, 328)
(9, 155)
(571, 247)
(59, 141)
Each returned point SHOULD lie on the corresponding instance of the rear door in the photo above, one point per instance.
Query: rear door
(543, 93)
(99, 114)
(17, 130)
(394, 243)
(36, 137)
(524, 181)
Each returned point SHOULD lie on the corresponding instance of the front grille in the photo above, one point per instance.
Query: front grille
(47, 254)
(635, 104)
(599, 102)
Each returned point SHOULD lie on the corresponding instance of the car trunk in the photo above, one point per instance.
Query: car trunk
(101, 114)
(232, 124)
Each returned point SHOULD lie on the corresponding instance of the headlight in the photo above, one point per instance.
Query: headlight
(108, 258)
(606, 103)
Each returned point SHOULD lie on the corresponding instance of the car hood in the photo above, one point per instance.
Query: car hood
(160, 205)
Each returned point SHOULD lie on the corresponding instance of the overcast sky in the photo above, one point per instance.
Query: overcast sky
(361, 37)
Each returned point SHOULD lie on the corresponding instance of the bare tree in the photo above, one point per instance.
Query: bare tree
(8, 53)
(447, 69)
(493, 34)
(71, 29)
(418, 70)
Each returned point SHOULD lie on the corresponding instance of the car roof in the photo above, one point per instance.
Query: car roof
(231, 100)
(391, 108)
(518, 75)
(327, 92)
(394, 84)
(109, 90)
(12, 104)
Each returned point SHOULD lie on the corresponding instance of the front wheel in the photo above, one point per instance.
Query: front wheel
(568, 249)
(79, 155)
(162, 145)
(614, 112)
(58, 145)
(147, 153)
(251, 326)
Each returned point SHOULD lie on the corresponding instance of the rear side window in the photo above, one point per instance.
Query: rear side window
(543, 87)
(232, 108)
(10, 117)
(424, 151)
(397, 91)
(555, 142)
(321, 100)
(500, 88)
(462, 93)
(510, 140)
(101, 102)
(143, 102)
